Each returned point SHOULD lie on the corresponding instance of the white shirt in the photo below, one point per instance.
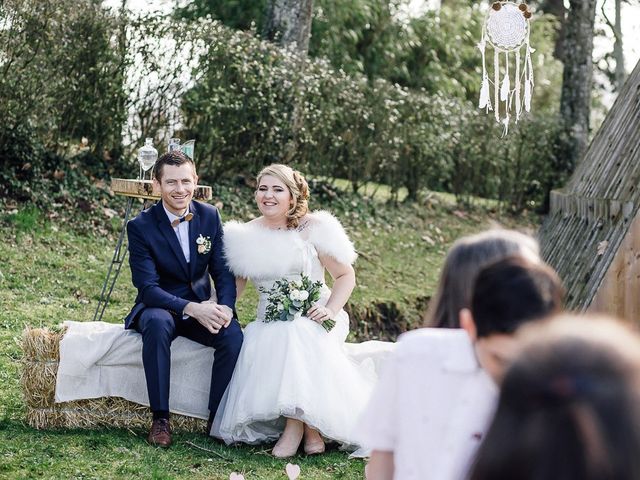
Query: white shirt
(182, 232)
(431, 407)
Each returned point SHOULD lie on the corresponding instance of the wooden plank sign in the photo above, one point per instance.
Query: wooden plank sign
(144, 189)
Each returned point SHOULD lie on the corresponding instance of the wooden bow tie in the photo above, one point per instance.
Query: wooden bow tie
(184, 218)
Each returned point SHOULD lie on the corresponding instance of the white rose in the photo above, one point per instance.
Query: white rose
(295, 295)
(304, 295)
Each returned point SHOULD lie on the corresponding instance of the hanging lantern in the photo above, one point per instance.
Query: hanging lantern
(506, 29)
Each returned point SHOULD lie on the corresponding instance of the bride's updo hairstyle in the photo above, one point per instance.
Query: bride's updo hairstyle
(297, 186)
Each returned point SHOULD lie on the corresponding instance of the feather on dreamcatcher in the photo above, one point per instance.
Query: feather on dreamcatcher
(506, 29)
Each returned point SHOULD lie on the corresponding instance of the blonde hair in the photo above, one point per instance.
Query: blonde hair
(297, 186)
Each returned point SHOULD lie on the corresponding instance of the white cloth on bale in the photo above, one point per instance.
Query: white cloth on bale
(99, 359)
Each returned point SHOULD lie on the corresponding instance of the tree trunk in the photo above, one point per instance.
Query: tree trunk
(618, 52)
(558, 10)
(577, 79)
(289, 24)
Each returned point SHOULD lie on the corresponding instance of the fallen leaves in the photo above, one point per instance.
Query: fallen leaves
(292, 470)
(429, 240)
(602, 247)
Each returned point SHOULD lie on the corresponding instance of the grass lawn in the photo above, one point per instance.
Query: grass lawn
(50, 272)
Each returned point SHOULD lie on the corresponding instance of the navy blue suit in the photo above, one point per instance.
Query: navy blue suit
(166, 283)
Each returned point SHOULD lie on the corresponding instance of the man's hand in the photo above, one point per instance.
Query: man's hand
(228, 314)
(210, 315)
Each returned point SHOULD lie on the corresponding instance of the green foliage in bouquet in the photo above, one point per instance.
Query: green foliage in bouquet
(290, 299)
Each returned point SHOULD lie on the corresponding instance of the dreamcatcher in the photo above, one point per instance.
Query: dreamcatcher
(506, 29)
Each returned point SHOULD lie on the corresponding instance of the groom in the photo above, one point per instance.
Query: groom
(174, 247)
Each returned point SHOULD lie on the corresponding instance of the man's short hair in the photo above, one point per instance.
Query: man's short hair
(174, 158)
(513, 291)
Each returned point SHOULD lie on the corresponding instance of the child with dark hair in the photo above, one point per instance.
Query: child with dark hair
(507, 294)
(436, 396)
(466, 257)
(569, 406)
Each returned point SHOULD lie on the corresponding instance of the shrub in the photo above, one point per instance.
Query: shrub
(254, 104)
(245, 101)
(62, 72)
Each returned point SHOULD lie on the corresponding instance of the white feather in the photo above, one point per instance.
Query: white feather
(484, 94)
(527, 95)
(517, 87)
(496, 84)
(505, 125)
(504, 89)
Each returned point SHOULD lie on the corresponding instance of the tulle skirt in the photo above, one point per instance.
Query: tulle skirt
(297, 369)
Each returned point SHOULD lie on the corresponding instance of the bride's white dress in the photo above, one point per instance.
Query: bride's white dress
(294, 369)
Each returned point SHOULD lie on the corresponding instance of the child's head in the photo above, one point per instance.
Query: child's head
(569, 406)
(507, 294)
(465, 259)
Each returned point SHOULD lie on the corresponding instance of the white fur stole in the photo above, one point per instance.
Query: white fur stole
(328, 236)
(253, 251)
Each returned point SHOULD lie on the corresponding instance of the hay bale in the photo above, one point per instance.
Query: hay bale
(42, 344)
(41, 356)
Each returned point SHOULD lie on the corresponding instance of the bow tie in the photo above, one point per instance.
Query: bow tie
(184, 218)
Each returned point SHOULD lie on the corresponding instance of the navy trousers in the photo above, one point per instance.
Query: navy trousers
(158, 328)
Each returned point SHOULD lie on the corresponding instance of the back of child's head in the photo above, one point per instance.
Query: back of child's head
(513, 291)
(465, 259)
(569, 406)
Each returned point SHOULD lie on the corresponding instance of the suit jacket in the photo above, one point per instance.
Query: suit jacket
(159, 270)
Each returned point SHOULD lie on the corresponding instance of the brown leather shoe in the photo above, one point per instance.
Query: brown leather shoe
(160, 434)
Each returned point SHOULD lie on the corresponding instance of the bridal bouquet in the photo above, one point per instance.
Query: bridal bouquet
(289, 300)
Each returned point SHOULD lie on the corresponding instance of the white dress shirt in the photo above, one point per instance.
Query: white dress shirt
(431, 407)
(182, 232)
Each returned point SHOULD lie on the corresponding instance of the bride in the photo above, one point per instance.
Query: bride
(293, 379)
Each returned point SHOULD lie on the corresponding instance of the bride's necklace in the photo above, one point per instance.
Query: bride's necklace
(299, 228)
(276, 229)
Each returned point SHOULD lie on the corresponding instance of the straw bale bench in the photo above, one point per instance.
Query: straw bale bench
(41, 356)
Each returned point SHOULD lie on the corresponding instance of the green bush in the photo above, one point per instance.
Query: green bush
(254, 104)
(62, 100)
(35, 175)
(62, 72)
(74, 70)
(519, 169)
(241, 110)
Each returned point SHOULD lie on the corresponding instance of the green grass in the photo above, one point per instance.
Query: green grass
(50, 273)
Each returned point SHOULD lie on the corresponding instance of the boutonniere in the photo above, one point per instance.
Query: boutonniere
(204, 244)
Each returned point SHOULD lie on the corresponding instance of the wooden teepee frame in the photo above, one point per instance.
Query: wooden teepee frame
(592, 235)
